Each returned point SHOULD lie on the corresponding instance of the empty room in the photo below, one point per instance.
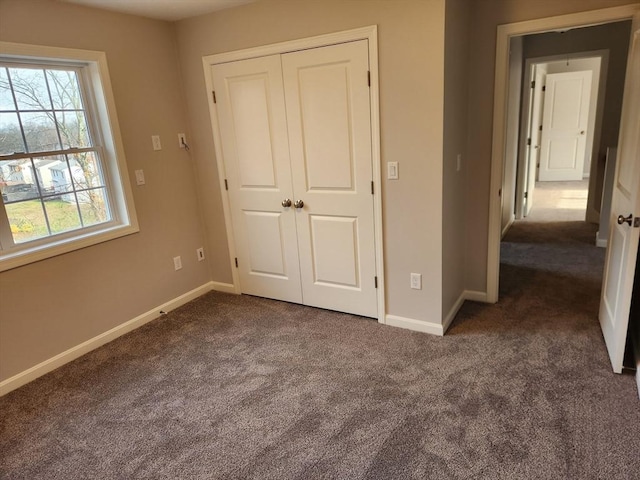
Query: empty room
(264, 239)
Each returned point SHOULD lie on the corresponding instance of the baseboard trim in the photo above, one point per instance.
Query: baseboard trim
(416, 325)
(67, 356)
(476, 296)
(224, 287)
(507, 226)
(453, 312)
(601, 242)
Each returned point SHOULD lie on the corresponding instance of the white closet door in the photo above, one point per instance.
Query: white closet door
(252, 124)
(328, 119)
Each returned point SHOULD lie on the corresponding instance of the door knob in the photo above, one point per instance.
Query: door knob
(622, 219)
(298, 204)
(286, 203)
(581, 132)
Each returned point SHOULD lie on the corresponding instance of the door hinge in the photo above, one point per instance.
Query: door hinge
(529, 141)
(369, 78)
(544, 88)
(636, 222)
(226, 185)
(372, 190)
(540, 128)
(375, 281)
(236, 262)
(526, 194)
(213, 92)
(500, 192)
(533, 84)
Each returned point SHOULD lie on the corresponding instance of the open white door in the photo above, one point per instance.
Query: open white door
(622, 249)
(565, 122)
(534, 135)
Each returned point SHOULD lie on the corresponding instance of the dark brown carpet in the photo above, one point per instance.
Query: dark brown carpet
(234, 387)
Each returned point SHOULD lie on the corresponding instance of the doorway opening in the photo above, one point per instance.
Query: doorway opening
(552, 33)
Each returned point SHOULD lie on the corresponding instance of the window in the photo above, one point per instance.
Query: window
(62, 169)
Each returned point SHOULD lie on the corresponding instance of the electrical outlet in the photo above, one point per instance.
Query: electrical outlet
(182, 140)
(200, 254)
(416, 281)
(177, 262)
(155, 141)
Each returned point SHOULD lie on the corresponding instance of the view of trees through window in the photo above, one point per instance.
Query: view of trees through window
(51, 176)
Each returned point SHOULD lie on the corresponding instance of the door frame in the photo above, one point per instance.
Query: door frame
(504, 34)
(369, 33)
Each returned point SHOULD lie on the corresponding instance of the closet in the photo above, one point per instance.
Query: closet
(295, 136)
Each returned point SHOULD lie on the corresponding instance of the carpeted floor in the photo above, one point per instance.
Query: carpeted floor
(232, 387)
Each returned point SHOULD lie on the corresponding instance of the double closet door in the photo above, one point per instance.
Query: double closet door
(296, 142)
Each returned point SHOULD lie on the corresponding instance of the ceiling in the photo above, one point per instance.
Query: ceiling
(170, 10)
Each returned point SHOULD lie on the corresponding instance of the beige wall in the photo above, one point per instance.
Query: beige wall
(487, 15)
(411, 59)
(456, 81)
(53, 305)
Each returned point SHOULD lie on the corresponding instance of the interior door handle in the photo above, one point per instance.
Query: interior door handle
(298, 204)
(622, 219)
(286, 203)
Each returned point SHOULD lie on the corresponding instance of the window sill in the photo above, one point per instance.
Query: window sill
(27, 255)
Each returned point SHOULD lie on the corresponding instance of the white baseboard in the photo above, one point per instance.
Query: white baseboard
(453, 312)
(475, 296)
(507, 226)
(51, 364)
(413, 324)
(224, 287)
(601, 242)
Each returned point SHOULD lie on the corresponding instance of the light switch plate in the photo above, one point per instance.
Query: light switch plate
(392, 170)
(140, 177)
(155, 140)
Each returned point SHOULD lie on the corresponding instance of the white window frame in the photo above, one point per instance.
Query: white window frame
(101, 112)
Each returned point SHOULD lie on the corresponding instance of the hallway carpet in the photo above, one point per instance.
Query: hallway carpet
(238, 387)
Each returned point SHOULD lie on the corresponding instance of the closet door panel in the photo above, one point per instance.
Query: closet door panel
(252, 124)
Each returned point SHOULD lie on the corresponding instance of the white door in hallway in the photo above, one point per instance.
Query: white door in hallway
(624, 231)
(564, 126)
(253, 130)
(534, 148)
(328, 117)
(297, 127)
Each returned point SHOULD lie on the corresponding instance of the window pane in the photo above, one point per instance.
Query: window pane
(17, 180)
(30, 88)
(6, 98)
(40, 131)
(93, 206)
(10, 134)
(53, 175)
(65, 91)
(74, 131)
(27, 221)
(63, 213)
(85, 170)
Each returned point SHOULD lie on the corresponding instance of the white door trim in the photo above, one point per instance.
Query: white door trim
(504, 34)
(369, 33)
